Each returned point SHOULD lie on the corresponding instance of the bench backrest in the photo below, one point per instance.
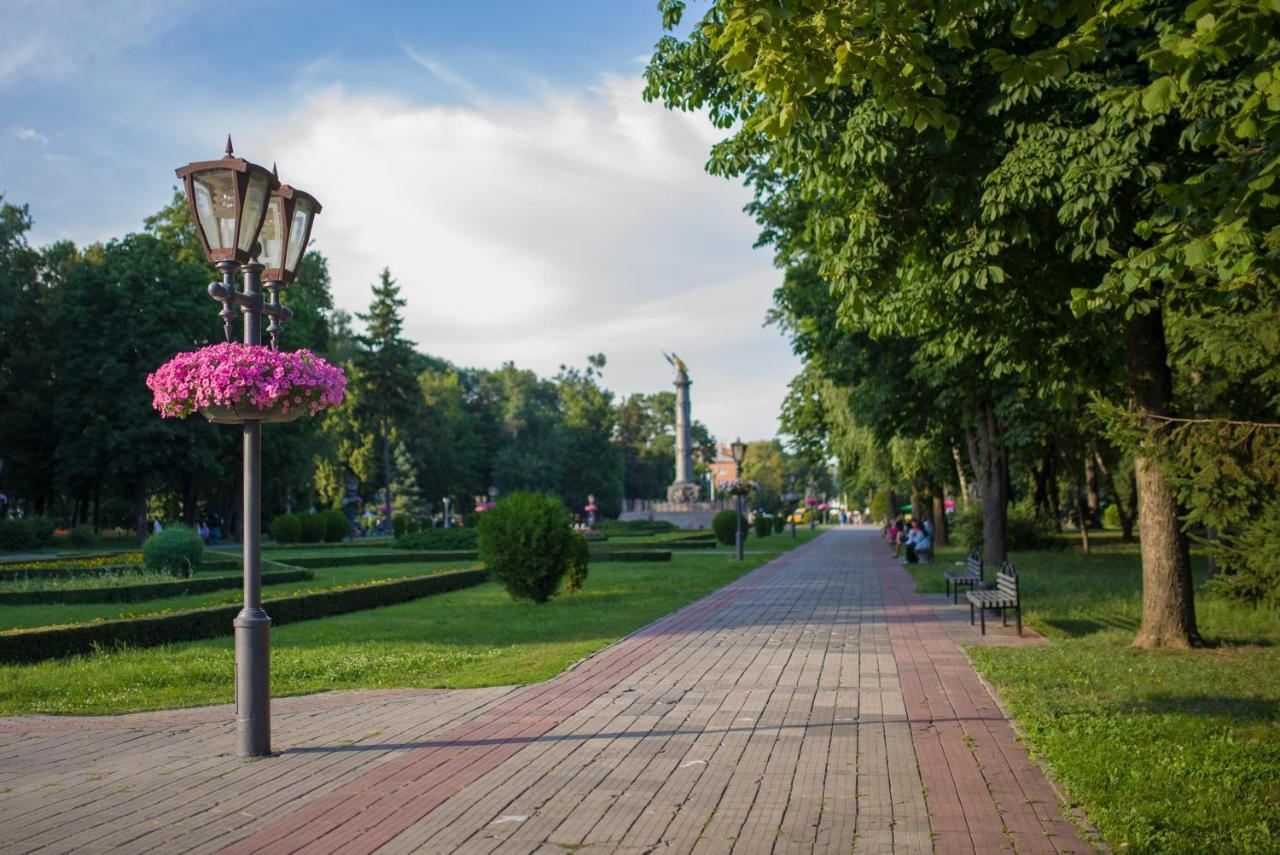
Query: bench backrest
(1007, 580)
(975, 564)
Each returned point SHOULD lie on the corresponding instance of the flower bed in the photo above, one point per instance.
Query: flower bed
(232, 381)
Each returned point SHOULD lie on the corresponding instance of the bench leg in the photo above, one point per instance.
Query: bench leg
(1004, 617)
(1017, 611)
(971, 614)
(955, 592)
(982, 613)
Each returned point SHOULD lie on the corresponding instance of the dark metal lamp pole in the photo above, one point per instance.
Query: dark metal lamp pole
(233, 203)
(739, 449)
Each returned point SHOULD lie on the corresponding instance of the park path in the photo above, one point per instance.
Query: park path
(815, 704)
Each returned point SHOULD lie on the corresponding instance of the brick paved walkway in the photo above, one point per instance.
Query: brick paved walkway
(816, 704)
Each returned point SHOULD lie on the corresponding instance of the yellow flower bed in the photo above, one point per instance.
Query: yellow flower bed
(66, 563)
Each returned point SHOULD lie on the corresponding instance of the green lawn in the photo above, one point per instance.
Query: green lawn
(474, 637)
(1166, 752)
(13, 617)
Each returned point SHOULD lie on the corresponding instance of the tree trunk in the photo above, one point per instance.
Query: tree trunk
(1041, 476)
(1126, 509)
(993, 482)
(140, 513)
(1130, 518)
(1082, 516)
(1093, 500)
(961, 475)
(97, 507)
(893, 505)
(1055, 502)
(939, 517)
(1168, 599)
(916, 503)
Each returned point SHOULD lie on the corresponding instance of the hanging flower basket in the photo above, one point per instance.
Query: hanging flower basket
(735, 487)
(231, 383)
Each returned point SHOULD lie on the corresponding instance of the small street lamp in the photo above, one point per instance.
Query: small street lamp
(230, 199)
(448, 518)
(739, 449)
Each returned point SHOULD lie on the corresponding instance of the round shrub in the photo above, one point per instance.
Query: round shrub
(176, 550)
(526, 544)
(41, 529)
(313, 528)
(335, 526)
(399, 525)
(1111, 517)
(725, 525)
(82, 535)
(764, 525)
(286, 528)
(579, 558)
(15, 534)
(414, 526)
(779, 523)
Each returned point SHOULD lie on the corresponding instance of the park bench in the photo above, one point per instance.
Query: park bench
(1003, 596)
(971, 576)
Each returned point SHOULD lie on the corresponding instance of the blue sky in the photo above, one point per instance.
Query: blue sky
(497, 156)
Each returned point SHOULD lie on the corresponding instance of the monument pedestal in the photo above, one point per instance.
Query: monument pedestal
(683, 493)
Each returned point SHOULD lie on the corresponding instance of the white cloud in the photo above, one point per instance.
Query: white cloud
(30, 135)
(53, 38)
(540, 231)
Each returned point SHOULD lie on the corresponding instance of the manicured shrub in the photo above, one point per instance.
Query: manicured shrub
(414, 526)
(725, 525)
(526, 544)
(176, 550)
(1023, 532)
(779, 523)
(579, 557)
(41, 529)
(82, 535)
(399, 525)
(286, 528)
(1111, 517)
(390, 556)
(764, 525)
(313, 528)
(635, 528)
(15, 534)
(144, 591)
(440, 538)
(335, 526)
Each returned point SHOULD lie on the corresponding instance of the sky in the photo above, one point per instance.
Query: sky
(497, 157)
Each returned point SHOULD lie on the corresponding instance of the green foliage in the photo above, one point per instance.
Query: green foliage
(176, 550)
(286, 528)
(16, 535)
(440, 538)
(399, 525)
(880, 506)
(1111, 516)
(41, 529)
(34, 645)
(631, 556)
(314, 527)
(579, 559)
(725, 526)
(526, 543)
(335, 526)
(764, 525)
(1022, 530)
(82, 535)
(337, 559)
(779, 522)
(414, 527)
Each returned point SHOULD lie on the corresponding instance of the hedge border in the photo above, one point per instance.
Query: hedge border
(629, 557)
(397, 557)
(149, 591)
(34, 645)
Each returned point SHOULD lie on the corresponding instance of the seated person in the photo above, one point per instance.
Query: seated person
(918, 541)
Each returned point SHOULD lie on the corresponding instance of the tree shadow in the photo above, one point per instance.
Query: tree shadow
(1260, 710)
(1079, 627)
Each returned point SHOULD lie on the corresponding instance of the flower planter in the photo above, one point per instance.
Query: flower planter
(240, 413)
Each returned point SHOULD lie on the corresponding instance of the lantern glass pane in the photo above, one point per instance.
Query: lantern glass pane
(298, 234)
(272, 235)
(215, 193)
(254, 200)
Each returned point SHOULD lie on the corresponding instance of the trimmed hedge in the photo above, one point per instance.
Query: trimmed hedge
(35, 645)
(635, 528)
(440, 538)
(314, 527)
(148, 591)
(286, 528)
(630, 557)
(55, 572)
(177, 550)
(725, 525)
(390, 558)
(336, 526)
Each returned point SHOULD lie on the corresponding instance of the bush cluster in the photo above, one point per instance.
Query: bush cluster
(779, 523)
(440, 538)
(177, 551)
(35, 645)
(579, 558)
(1111, 517)
(82, 535)
(764, 525)
(635, 527)
(399, 525)
(389, 557)
(1023, 532)
(526, 544)
(319, 527)
(18, 533)
(725, 525)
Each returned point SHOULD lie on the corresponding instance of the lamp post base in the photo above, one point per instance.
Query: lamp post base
(253, 683)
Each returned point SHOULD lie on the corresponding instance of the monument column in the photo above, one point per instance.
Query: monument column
(684, 490)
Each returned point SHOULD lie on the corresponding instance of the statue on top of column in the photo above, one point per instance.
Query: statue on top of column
(684, 489)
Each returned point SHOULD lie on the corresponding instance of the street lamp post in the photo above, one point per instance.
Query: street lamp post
(739, 449)
(230, 200)
(448, 518)
(791, 497)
